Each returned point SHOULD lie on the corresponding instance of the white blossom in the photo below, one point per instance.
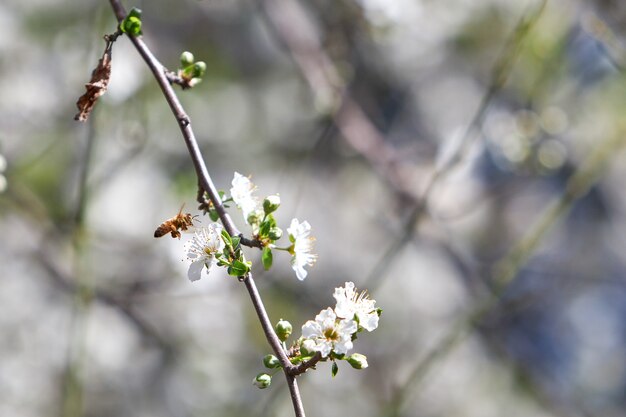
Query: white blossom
(242, 193)
(202, 250)
(326, 334)
(301, 248)
(351, 304)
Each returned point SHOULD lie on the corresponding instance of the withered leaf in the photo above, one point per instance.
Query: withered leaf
(96, 87)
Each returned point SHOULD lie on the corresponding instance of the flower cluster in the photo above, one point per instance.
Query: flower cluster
(213, 245)
(330, 336)
(260, 216)
(334, 330)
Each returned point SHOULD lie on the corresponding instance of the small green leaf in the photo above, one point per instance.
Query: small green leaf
(226, 238)
(238, 268)
(214, 215)
(264, 228)
(335, 369)
(267, 258)
(236, 240)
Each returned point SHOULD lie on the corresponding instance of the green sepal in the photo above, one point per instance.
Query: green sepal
(267, 258)
(334, 369)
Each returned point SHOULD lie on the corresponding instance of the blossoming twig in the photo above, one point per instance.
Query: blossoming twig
(184, 122)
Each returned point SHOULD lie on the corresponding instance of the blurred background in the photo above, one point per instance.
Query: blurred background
(462, 160)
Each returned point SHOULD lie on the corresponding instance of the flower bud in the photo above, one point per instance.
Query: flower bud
(357, 361)
(271, 204)
(198, 69)
(262, 380)
(255, 217)
(271, 362)
(275, 233)
(195, 81)
(186, 59)
(283, 329)
(307, 347)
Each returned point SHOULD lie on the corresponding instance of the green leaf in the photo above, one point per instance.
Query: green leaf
(226, 238)
(238, 268)
(335, 369)
(214, 215)
(235, 241)
(267, 258)
(264, 228)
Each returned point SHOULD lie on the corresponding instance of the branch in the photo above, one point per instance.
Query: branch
(205, 181)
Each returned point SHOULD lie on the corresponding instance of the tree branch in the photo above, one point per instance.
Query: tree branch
(205, 181)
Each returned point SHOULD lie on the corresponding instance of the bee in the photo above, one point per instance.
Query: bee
(179, 222)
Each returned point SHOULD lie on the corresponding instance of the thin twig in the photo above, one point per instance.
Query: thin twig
(184, 122)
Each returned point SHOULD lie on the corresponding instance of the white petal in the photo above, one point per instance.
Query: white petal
(301, 273)
(347, 328)
(195, 270)
(326, 318)
(311, 329)
(369, 321)
(343, 347)
(324, 348)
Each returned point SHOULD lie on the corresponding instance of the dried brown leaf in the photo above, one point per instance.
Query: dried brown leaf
(96, 87)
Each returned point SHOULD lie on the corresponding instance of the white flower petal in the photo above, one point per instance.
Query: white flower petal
(242, 193)
(311, 329)
(195, 270)
(202, 250)
(302, 247)
(350, 303)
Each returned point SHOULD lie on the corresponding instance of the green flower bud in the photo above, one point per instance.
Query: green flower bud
(186, 59)
(271, 362)
(132, 22)
(283, 329)
(307, 347)
(357, 361)
(262, 380)
(255, 217)
(275, 233)
(271, 204)
(199, 69)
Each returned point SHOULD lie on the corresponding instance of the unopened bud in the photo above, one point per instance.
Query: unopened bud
(198, 69)
(283, 329)
(275, 233)
(357, 361)
(271, 204)
(307, 347)
(186, 59)
(255, 217)
(262, 380)
(271, 362)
